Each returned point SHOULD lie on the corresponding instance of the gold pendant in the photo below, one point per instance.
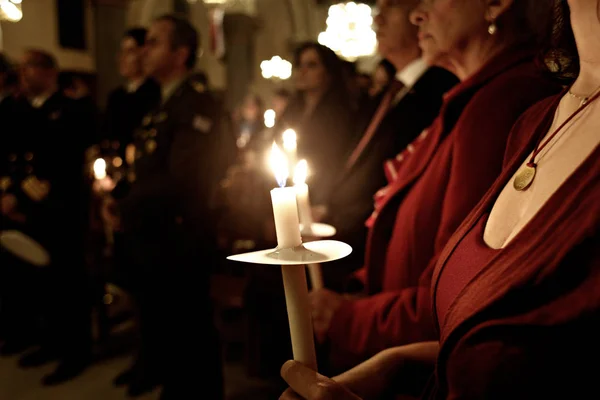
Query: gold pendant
(524, 177)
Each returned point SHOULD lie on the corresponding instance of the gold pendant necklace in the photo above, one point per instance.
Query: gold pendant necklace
(526, 174)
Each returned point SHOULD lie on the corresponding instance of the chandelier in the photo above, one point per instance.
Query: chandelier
(350, 31)
(10, 10)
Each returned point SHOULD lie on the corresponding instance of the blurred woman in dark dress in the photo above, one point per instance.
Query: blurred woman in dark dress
(321, 115)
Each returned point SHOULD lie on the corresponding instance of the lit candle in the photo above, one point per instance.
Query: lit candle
(104, 184)
(285, 208)
(287, 228)
(290, 146)
(302, 197)
(100, 169)
(270, 118)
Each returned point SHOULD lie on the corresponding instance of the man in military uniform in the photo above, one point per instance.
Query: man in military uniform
(167, 218)
(48, 195)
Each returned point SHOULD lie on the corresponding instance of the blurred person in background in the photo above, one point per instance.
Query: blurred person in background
(49, 190)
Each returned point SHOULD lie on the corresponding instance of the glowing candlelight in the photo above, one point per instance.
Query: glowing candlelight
(270, 116)
(100, 169)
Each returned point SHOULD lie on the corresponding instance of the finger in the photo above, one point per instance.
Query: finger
(302, 380)
(289, 394)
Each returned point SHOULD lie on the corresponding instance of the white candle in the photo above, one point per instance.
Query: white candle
(302, 196)
(103, 183)
(316, 276)
(285, 208)
(287, 228)
(299, 317)
(285, 211)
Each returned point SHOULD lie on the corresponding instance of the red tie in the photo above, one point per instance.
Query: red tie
(383, 108)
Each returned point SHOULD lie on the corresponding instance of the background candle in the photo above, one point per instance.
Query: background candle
(302, 195)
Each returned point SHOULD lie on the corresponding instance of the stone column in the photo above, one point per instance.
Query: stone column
(239, 30)
(110, 24)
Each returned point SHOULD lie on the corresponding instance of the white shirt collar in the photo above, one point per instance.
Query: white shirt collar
(170, 88)
(38, 101)
(410, 74)
(133, 86)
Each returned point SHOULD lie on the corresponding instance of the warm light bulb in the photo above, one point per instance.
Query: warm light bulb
(100, 168)
(301, 172)
(279, 165)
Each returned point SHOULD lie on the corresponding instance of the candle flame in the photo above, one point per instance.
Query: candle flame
(270, 118)
(279, 165)
(100, 168)
(289, 140)
(301, 172)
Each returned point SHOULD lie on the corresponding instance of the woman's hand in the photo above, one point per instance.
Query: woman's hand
(306, 384)
(391, 371)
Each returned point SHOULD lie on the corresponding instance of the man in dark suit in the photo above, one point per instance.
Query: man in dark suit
(408, 107)
(168, 220)
(49, 194)
(128, 103)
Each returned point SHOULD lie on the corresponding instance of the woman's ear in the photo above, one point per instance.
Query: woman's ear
(495, 8)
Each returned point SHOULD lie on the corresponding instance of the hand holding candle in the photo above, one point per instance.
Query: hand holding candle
(287, 227)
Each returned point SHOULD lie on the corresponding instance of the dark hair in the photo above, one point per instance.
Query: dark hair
(389, 68)
(560, 57)
(43, 59)
(183, 35)
(5, 65)
(335, 67)
(138, 34)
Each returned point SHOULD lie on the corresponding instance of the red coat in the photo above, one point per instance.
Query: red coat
(527, 326)
(441, 179)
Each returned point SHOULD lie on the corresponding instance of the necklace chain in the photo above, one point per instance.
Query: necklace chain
(582, 99)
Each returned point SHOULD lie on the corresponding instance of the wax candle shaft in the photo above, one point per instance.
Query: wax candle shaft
(316, 276)
(304, 210)
(298, 310)
(285, 211)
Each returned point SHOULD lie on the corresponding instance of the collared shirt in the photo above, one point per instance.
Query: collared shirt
(170, 88)
(38, 101)
(410, 74)
(133, 86)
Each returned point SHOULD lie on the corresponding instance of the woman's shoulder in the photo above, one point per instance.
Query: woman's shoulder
(523, 84)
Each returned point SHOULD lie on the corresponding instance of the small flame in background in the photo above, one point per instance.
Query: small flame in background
(301, 172)
(100, 168)
(270, 116)
(289, 140)
(279, 165)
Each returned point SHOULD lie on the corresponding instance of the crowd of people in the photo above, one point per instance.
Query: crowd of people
(463, 171)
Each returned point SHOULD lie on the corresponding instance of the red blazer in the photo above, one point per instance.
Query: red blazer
(527, 325)
(446, 173)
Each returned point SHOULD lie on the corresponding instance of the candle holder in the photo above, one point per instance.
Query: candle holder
(292, 261)
(320, 251)
(317, 230)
